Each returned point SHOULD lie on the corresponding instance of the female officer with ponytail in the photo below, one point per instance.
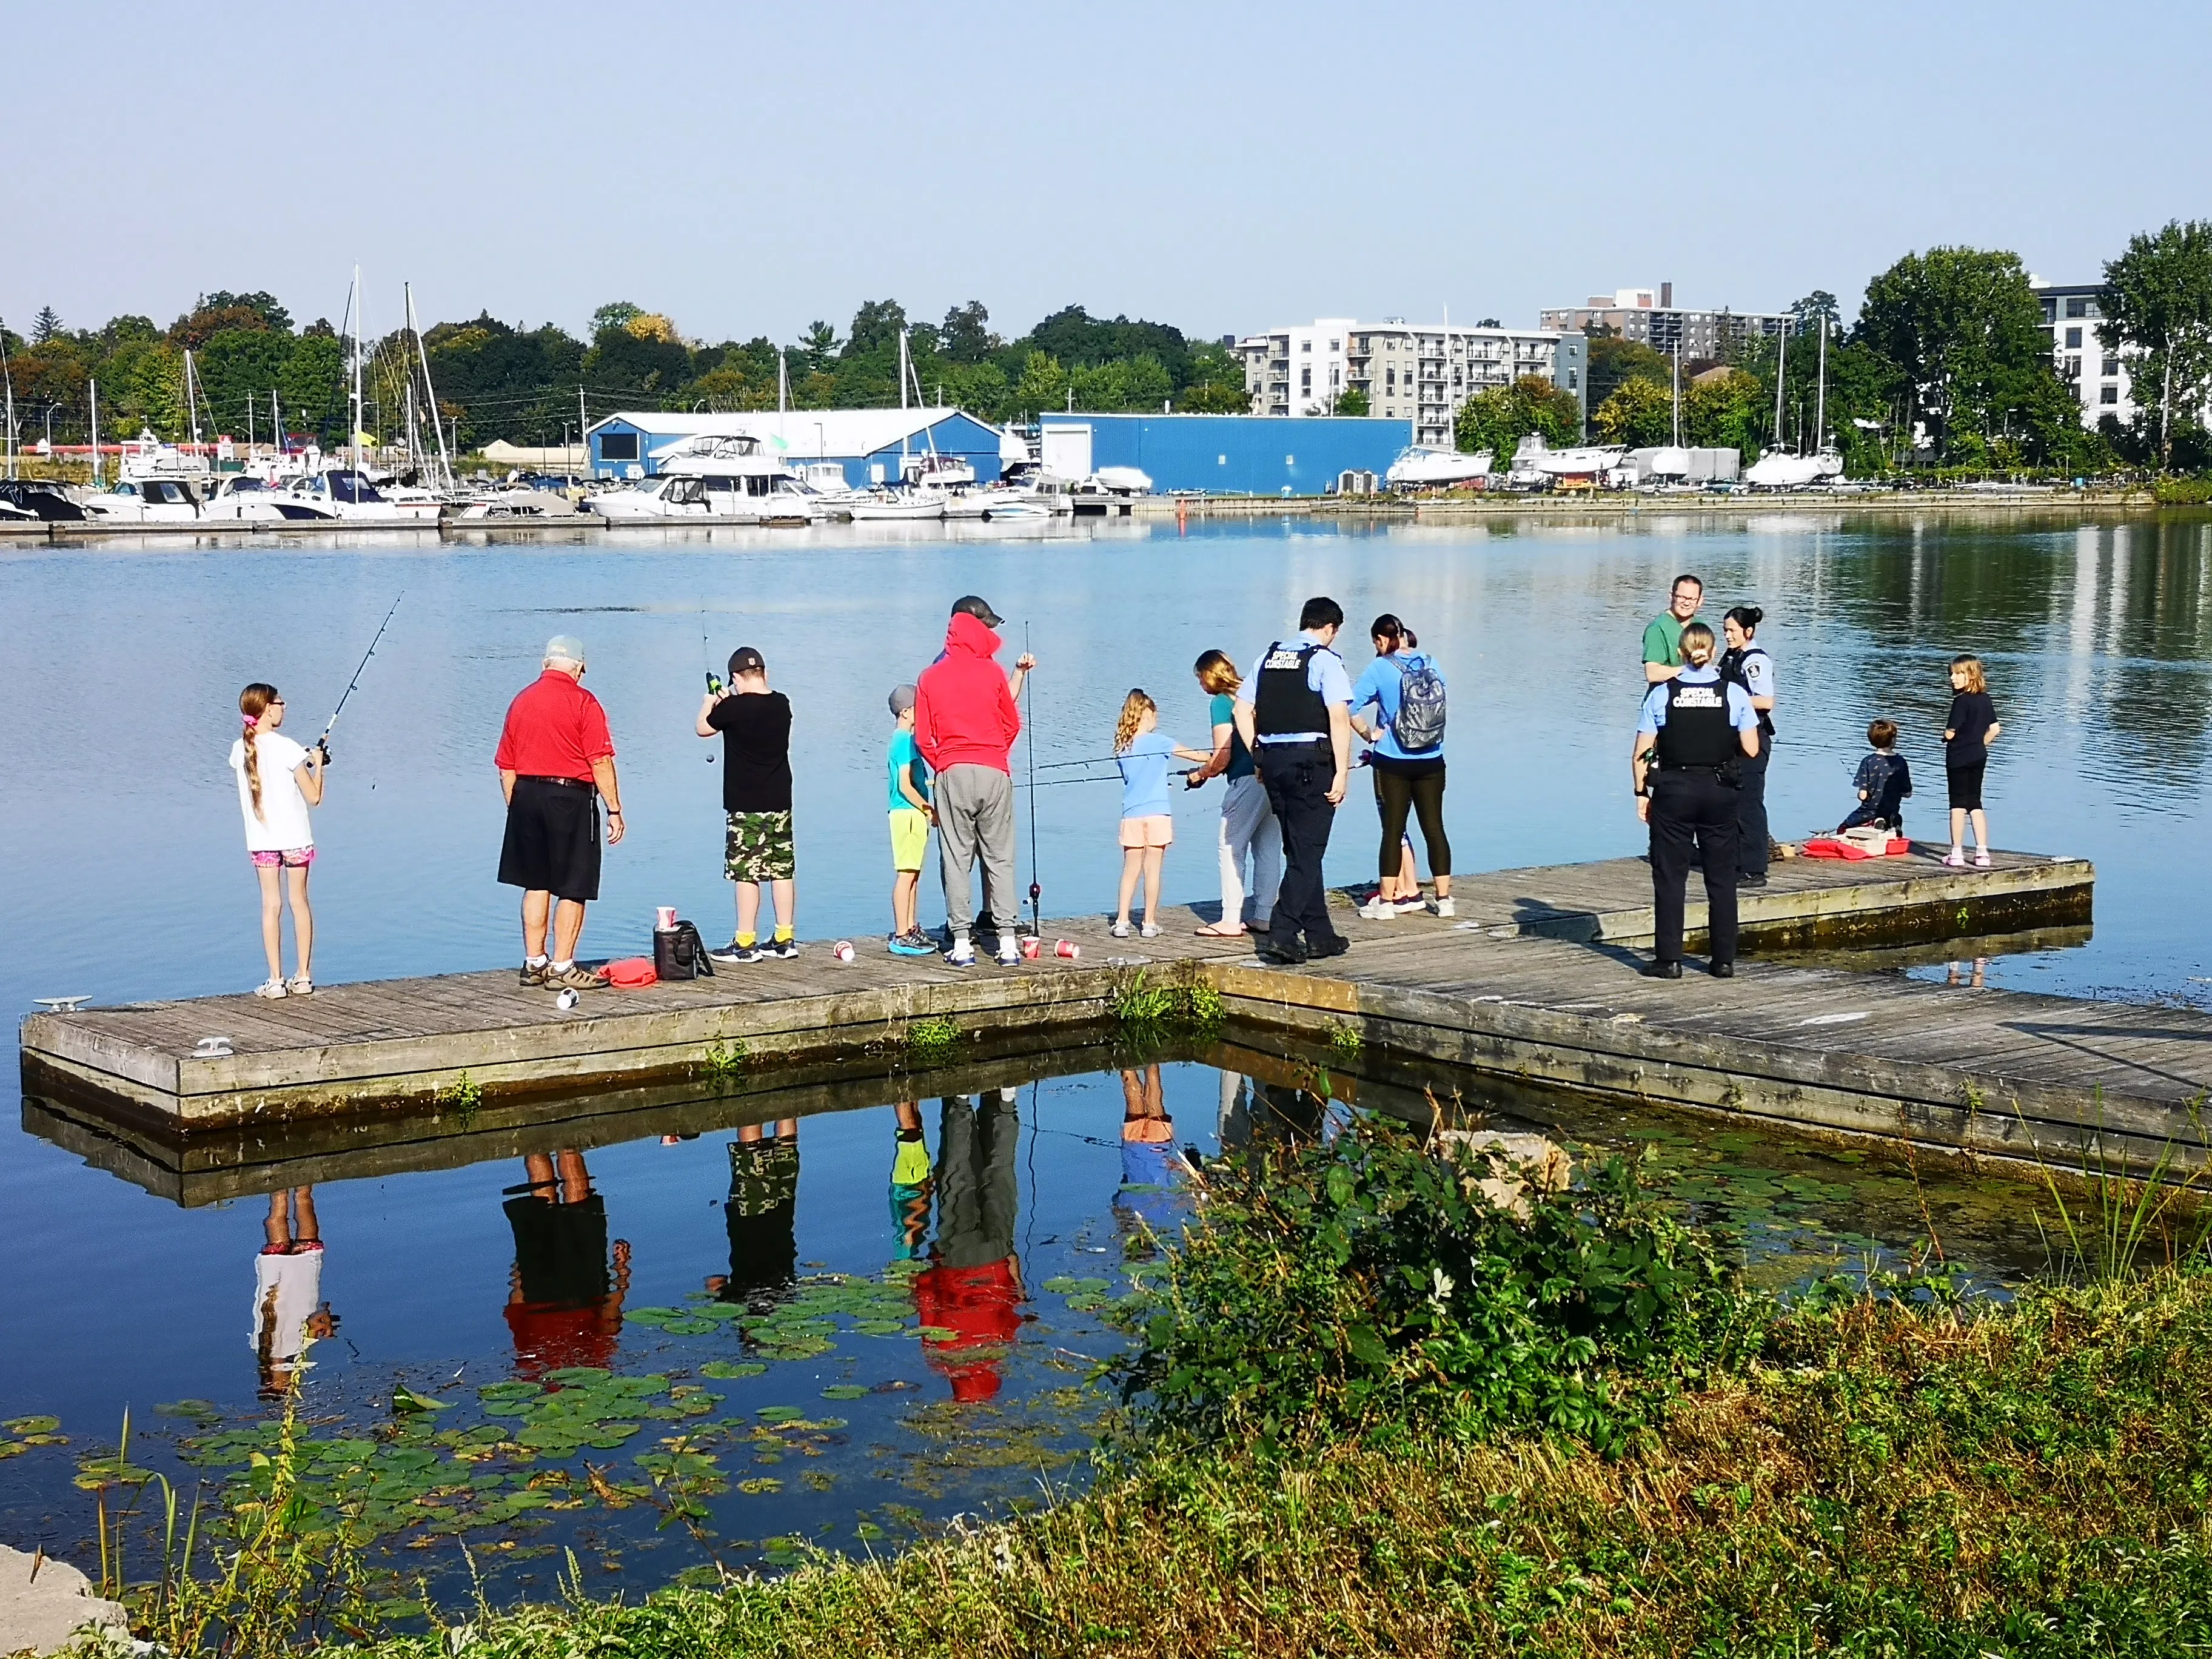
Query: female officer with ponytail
(1745, 663)
(1698, 728)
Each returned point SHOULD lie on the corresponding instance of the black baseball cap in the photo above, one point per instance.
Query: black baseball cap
(746, 660)
(976, 607)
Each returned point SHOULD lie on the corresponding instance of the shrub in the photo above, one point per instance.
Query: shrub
(1368, 1286)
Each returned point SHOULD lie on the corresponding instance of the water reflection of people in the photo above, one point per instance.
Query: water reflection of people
(1975, 976)
(762, 1212)
(912, 1183)
(1234, 1129)
(289, 1308)
(1153, 1175)
(563, 1305)
(973, 1286)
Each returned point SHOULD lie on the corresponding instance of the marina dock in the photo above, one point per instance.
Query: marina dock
(1534, 981)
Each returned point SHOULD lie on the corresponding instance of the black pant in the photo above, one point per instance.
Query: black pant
(1693, 819)
(1751, 833)
(1297, 777)
(1417, 785)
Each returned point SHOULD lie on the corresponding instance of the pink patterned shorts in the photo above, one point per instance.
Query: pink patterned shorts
(292, 858)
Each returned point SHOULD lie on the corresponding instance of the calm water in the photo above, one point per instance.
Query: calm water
(126, 879)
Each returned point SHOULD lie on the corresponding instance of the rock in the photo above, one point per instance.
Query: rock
(39, 1615)
(1505, 1168)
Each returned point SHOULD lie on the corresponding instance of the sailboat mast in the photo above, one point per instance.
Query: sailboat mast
(1820, 392)
(353, 438)
(1678, 394)
(8, 376)
(1781, 373)
(93, 386)
(430, 394)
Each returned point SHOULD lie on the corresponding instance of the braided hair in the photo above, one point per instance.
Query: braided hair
(253, 703)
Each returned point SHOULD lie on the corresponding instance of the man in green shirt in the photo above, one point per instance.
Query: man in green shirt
(1662, 635)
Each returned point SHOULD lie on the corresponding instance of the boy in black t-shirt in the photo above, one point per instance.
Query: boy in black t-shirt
(755, 726)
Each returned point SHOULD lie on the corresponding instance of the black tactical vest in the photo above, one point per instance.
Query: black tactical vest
(1284, 701)
(1697, 732)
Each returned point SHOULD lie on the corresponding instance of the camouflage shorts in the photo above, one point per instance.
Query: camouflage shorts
(759, 847)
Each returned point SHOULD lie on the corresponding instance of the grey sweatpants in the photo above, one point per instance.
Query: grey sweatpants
(975, 814)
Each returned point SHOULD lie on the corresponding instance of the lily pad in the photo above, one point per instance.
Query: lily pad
(844, 1391)
(689, 1327)
(730, 1370)
(781, 1414)
(31, 1425)
(880, 1327)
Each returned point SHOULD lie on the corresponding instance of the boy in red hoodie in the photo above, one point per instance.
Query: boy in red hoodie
(965, 723)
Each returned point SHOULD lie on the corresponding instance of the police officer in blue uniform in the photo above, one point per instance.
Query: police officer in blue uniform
(1295, 715)
(1698, 728)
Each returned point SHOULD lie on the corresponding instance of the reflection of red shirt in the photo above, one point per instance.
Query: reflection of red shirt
(981, 1306)
(548, 1336)
(554, 729)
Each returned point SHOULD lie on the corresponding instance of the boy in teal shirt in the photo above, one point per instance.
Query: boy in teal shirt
(910, 817)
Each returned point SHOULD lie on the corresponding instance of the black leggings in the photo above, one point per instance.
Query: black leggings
(1417, 786)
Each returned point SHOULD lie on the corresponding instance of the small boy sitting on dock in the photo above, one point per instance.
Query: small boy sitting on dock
(1884, 782)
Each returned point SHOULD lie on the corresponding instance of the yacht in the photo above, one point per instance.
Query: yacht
(346, 495)
(1778, 470)
(1420, 468)
(1536, 466)
(727, 478)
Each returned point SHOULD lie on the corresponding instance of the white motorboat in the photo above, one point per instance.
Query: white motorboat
(1532, 455)
(1420, 468)
(146, 500)
(341, 494)
(1123, 481)
(900, 505)
(516, 502)
(245, 498)
(726, 478)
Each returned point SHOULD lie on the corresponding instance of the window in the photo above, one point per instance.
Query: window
(2111, 367)
(618, 446)
(2110, 395)
(2051, 311)
(1305, 379)
(1305, 345)
(1571, 379)
(2090, 309)
(1390, 378)
(2073, 338)
(2077, 307)
(1335, 345)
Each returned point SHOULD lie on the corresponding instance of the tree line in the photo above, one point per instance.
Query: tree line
(1949, 363)
(529, 386)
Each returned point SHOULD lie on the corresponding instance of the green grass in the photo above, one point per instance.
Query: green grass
(2027, 1480)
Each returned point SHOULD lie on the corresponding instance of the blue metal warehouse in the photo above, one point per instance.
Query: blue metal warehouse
(868, 443)
(1225, 454)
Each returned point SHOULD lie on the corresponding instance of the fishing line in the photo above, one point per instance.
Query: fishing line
(706, 662)
(323, 741)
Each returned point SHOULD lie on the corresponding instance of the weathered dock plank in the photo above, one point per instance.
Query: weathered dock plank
(1534, 980)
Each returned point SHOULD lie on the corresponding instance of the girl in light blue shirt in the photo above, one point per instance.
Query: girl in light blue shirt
(1143, 751)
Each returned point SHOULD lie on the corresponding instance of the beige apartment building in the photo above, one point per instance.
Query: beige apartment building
(1422, 372)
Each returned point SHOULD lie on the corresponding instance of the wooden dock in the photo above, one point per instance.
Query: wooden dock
(1533, 980)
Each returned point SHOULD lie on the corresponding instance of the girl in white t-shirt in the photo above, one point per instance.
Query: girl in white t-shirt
(277, 782)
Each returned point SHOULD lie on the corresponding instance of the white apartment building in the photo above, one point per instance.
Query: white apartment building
(1418, 371)
(2071, 314)
(1652, 318)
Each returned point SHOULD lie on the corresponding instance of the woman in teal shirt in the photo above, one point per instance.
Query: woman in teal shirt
(1249, 835)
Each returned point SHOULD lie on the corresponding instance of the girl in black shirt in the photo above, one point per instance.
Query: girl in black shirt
(1967, 736)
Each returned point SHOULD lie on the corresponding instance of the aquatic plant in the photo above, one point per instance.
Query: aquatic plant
(2102, 1233)
(1346, 1039)
(1142, 1000)
(463, 1095)
(725, 1059)
(930, 1039)
(1366, 1281)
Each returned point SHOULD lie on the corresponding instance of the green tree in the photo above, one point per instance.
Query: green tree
(312, 387)
(1640, 413)
(876, 327)
(817, 345)
(1042, 387)
(966, 336)
(1964, 331)
(1353, 400)
(1726, 409)
(2158, 304)
(1613, 359)
(616, 314)
(1497, 418)
(241, 366)
(47, 326)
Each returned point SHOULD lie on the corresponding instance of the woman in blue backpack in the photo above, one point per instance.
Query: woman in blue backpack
(1399, 706)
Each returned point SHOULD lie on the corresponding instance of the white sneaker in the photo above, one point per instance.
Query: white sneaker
(1411, 906)
(1010, 952)
(272, 989)
(1120, 930)
(1443, 908)
(1378, 909)
(963, 953)
(1149, 930)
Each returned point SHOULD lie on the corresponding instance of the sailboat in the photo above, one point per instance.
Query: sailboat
(1776, 470)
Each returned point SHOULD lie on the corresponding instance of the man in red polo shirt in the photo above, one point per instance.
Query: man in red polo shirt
(556, 760)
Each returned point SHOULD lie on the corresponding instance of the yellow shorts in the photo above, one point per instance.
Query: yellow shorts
(910, 838)
(1158, 831)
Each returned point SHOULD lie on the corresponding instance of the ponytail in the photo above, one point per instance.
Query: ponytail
(1133, 708)
(253, 703)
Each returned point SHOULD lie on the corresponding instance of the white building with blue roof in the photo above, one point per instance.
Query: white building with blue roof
(871, 445)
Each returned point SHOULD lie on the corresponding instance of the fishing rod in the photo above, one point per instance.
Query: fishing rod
(323, 742)
(1056, 783)
(1028, 721)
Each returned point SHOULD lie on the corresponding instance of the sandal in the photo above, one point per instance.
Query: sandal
(1215, 930)
(271, 989)
(298, 985)
(1120, 930)
(1982, 859)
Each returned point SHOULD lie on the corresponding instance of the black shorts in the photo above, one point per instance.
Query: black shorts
(559, 1250)
(1966, 786)
(552, 843)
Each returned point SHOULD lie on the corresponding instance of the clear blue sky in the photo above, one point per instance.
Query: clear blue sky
(748, 168)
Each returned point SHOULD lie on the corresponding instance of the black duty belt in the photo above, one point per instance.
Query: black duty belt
(565, 783)
(1714, 768)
